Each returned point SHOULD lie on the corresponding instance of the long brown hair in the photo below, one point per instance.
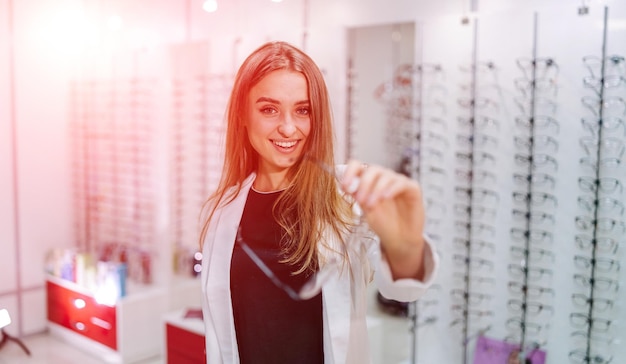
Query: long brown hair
(311, 204)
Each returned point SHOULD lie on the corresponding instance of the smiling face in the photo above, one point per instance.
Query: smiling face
(278, 123)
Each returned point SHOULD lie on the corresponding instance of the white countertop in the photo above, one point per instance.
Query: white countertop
(178, 319)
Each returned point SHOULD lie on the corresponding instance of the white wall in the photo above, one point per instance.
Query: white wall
(36, 106)
(7, 218)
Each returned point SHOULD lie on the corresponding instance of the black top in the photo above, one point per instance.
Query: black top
(271, 327)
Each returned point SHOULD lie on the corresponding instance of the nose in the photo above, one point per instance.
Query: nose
(287, 127)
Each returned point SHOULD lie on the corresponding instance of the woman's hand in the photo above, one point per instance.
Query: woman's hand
(393, 207)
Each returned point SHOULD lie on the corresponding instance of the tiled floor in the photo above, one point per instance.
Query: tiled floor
(390, 345)
(47, 349)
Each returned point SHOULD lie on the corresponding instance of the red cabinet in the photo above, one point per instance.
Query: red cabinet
(81, 314)
(184, 346)
(184, 336)
(127, 332)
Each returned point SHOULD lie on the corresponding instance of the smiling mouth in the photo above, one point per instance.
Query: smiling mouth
(285, 145)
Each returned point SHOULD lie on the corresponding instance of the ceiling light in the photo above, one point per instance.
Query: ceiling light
(210, 6)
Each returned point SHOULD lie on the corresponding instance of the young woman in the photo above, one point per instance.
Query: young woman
(283, 215)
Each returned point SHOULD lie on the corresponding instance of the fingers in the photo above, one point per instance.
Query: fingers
(371, 184)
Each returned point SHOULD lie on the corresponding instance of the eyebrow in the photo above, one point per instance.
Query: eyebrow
(273, 101)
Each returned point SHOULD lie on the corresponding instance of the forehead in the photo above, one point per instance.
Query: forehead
(285, 84)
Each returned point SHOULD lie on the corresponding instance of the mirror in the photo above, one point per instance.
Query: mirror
(376, 56)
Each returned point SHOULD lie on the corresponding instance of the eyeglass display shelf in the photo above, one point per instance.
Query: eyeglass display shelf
(128, 331)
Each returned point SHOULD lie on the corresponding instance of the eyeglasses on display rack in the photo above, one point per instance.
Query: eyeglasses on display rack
(478, 158)
(610, 124)
(535, 179)
(535, 217)
(602, 225)
(540, 105)
(533, 236)
(603, 204)
(463, 277)
(612, 105)
(529, 307)
(481, 123)
(612, 146)
(609, 163)
(535, 254)
(467, 210)
(440, 141)
(537, 161)
(479, 103)
(533, 273)
(542, 66)
(539, 142)
(601, 264)
(475, 245)
(473, 262)
(541, 122)
(603, 244)
(600, 284)
(581, 357)
(474, 298)
(481, 140)
(595, 324)
(436, 122)
(599, 304)
(430, 153)
(600, 338)
(608, 82)
(613, 64)
(479, 176)
(481, 66)
(516, 323)
(540, 85)
(474, 227)
(535, 198)
(461, 310)
(603, 184)
(530, 290)
(479, 194)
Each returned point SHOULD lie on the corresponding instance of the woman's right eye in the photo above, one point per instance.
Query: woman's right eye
(268, 110)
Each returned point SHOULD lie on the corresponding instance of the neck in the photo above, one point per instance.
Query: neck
(265, 183)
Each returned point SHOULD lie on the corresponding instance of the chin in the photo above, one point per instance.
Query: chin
(288, 162)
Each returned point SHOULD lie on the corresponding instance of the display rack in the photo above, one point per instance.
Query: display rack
(475, 200)
(600, 223)
(535, 202)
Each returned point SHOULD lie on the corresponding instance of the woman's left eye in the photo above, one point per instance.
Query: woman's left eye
(303, 111)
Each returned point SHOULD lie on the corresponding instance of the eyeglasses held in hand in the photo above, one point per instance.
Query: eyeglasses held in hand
(309, 290)
(329, 268)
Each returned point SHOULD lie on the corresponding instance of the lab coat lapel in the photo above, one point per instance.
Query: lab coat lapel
(218, 287)
(337, 316)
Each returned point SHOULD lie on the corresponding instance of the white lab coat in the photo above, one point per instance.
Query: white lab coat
(345, 329)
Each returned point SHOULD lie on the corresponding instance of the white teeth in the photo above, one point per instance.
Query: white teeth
(285, 144)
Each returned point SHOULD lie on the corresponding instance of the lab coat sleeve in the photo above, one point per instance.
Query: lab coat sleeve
(406, 289)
